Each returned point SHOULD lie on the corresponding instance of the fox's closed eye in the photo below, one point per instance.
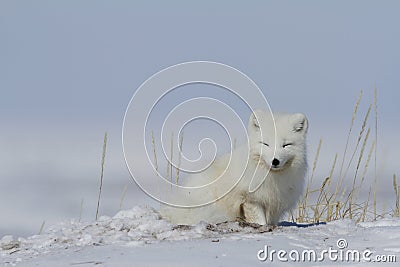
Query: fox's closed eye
(286, 145)
(265, 144)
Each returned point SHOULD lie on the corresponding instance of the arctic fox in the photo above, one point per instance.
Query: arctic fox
(276, 165)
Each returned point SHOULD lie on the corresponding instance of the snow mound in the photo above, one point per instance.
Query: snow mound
(143, 226)
(135, 227)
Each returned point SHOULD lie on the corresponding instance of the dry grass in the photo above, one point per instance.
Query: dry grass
(344, 200)
(121, 202)
(41, 228)
(172, 171)
(179, 158)
(376, 140)
(397, 194)
(170, 167)
(81, 209)
(103, 156)
(153, 142)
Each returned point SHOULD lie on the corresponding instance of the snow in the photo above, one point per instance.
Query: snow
(140, 237)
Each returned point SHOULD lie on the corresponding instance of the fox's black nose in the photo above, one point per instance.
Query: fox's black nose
(275, 162)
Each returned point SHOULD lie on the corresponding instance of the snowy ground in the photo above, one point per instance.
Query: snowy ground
(140, 237)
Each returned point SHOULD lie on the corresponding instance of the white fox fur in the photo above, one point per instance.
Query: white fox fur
(284, 174)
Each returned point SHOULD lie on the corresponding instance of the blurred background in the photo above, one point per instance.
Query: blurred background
(68, 70)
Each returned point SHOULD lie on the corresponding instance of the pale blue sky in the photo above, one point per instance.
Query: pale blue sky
(83, 59)
(69, 68)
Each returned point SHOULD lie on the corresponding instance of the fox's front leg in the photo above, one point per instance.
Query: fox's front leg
(253, 213)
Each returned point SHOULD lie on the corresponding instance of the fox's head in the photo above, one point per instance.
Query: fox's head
(281, 146)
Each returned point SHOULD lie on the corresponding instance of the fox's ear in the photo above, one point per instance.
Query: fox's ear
(254, 122)
(300, 123)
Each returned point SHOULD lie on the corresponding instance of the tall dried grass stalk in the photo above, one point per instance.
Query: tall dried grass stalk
(41, 228)
(341, 176)
(179, 158)
(103, 156)
(302, 208)
(360, 135)
(350, 130)
(376, 146)
(153, 142)
(170, 161)
(121, 202)
(397, 194)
